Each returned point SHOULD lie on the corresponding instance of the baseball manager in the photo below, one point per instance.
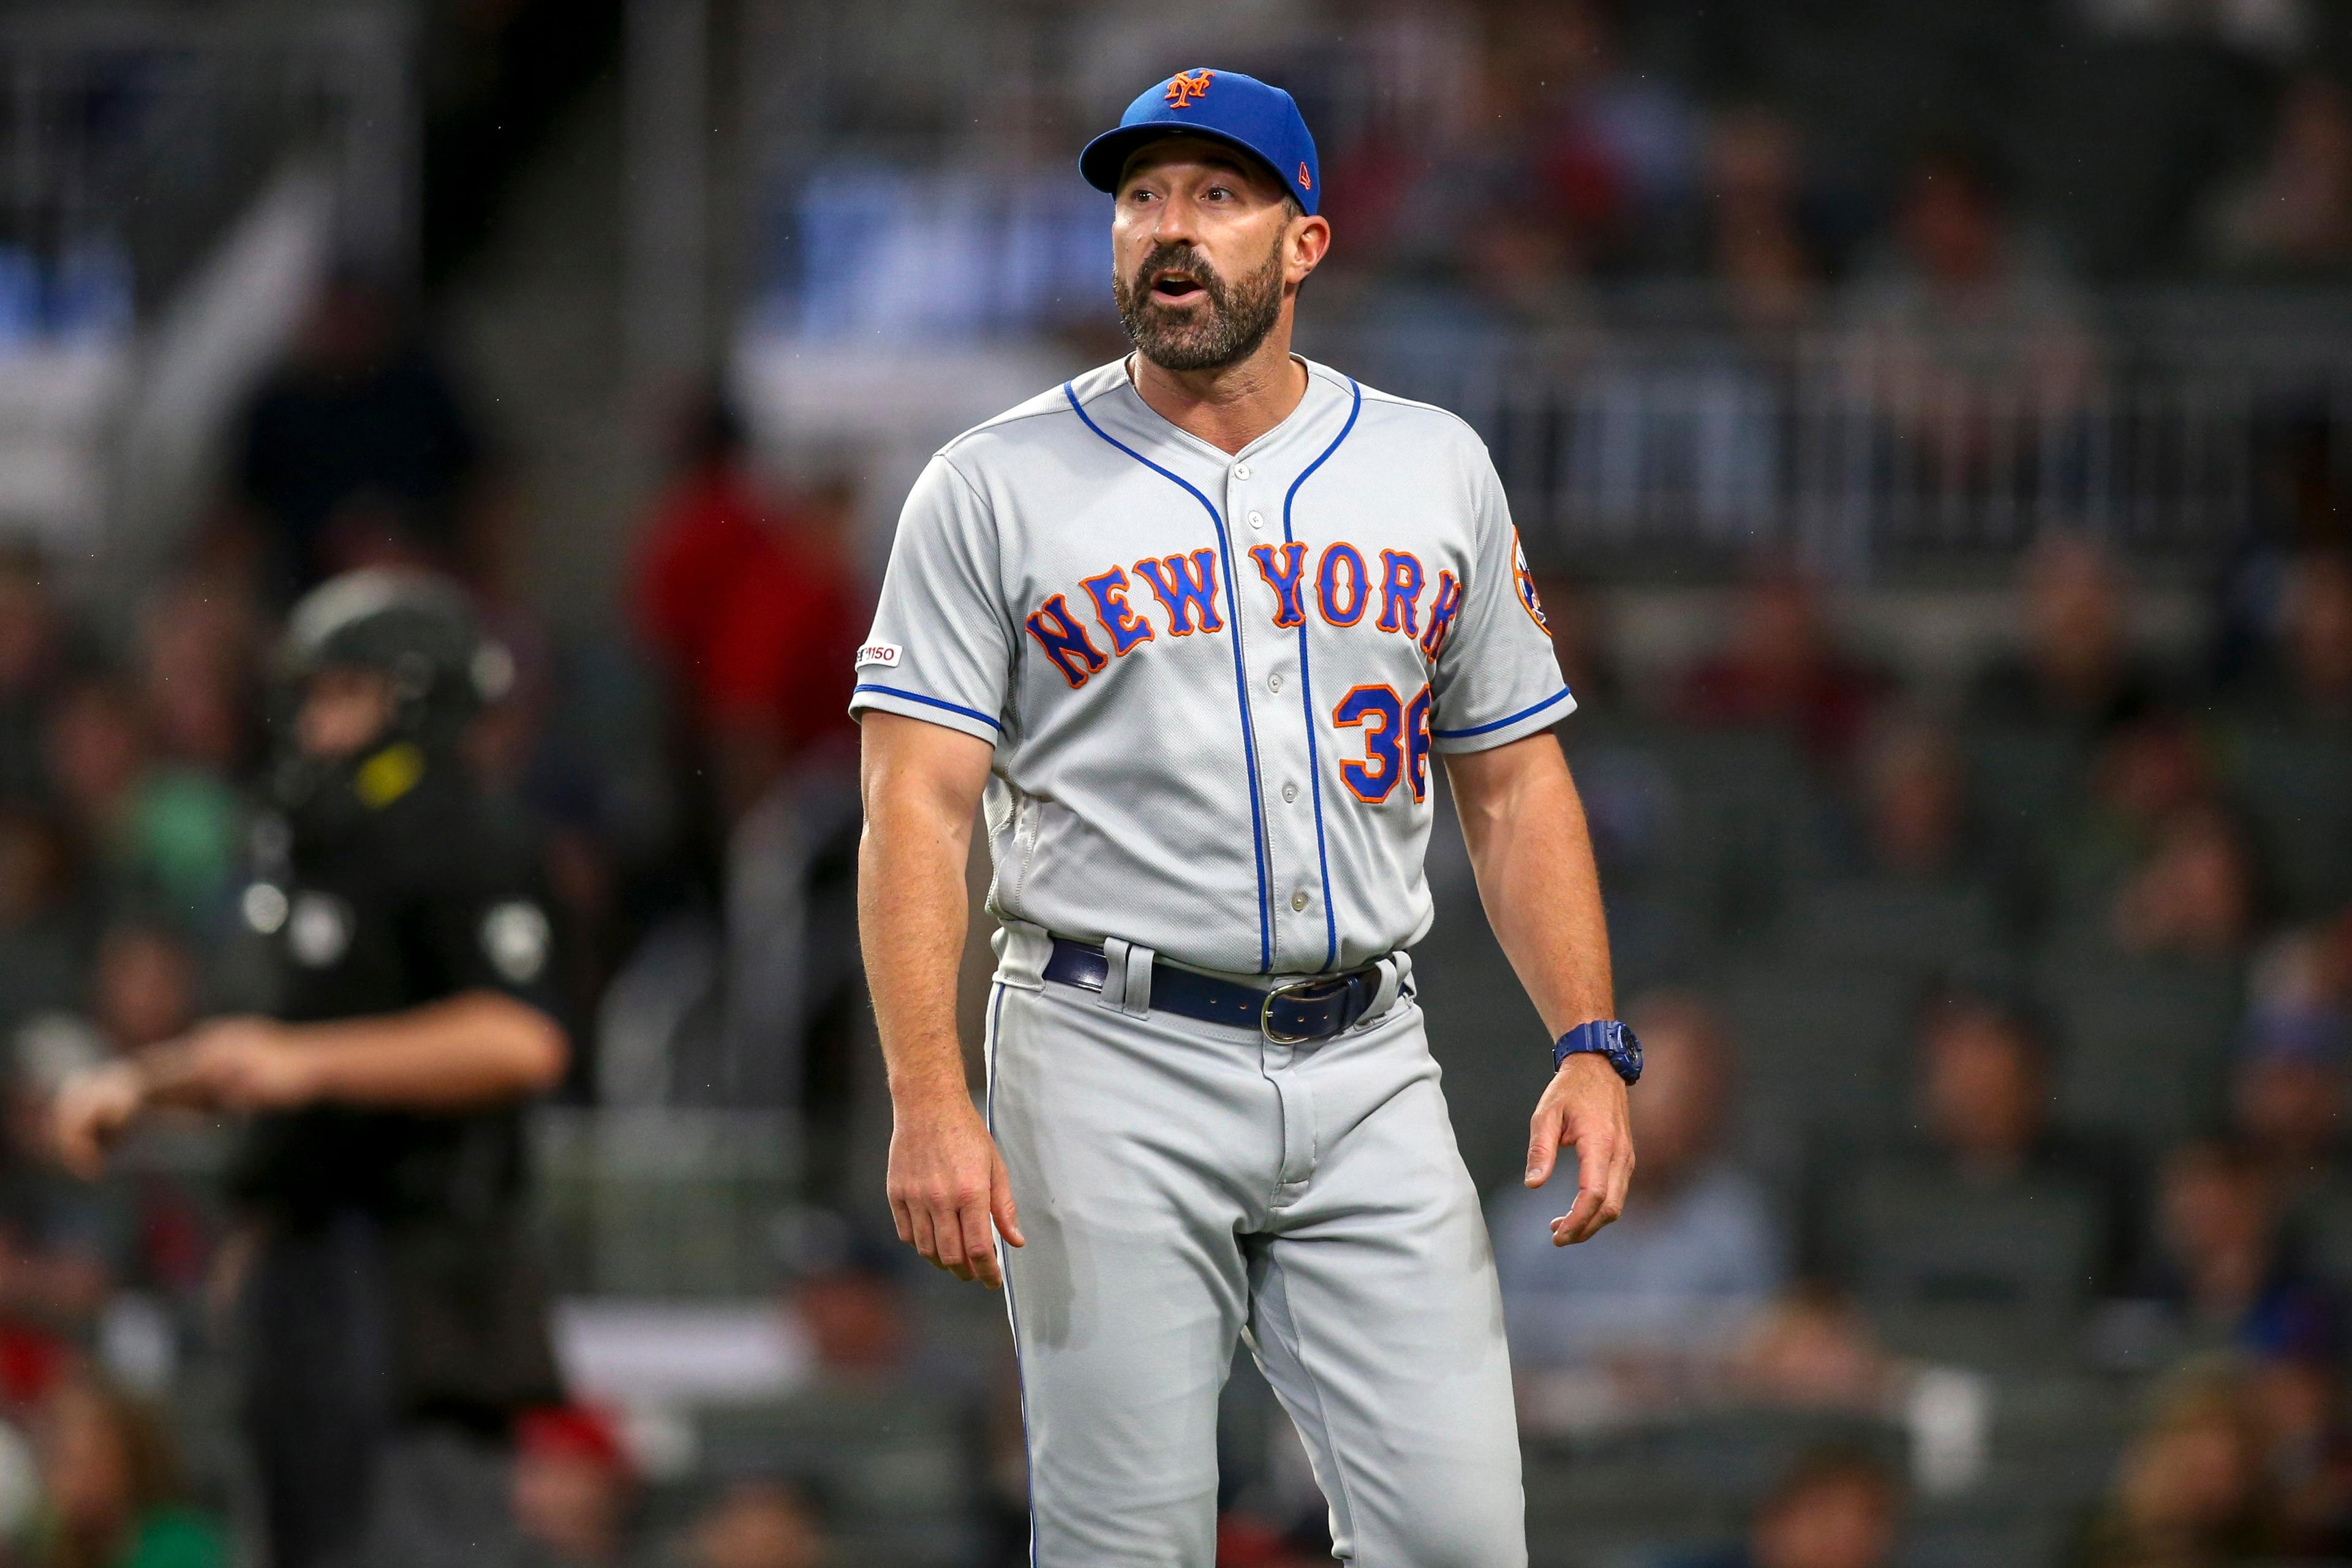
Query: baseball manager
(1194, 624)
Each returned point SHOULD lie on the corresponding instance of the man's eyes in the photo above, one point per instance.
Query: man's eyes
(1214, 192)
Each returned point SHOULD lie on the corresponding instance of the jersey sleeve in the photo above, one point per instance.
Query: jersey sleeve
(1496, 678)
(941, 648)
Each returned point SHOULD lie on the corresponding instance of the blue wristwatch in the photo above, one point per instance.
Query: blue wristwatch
(1606, 1038)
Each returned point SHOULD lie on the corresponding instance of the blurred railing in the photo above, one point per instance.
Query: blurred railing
(1658, 436)
(2178, 428)
(664, 1204)
(661, 1205)
(138, 132)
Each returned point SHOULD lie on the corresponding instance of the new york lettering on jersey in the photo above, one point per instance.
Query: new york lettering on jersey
(1278, 639)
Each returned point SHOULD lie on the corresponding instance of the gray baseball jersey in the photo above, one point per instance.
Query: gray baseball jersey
(1213, 680)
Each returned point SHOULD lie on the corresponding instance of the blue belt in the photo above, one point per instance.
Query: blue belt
(1314, 1008)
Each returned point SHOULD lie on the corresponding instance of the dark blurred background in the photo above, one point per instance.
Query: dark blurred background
(1932, 426)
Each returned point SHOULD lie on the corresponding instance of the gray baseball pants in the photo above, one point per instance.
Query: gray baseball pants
(1180, 1184)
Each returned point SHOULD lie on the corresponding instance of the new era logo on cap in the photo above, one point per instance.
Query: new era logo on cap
(1256, 117)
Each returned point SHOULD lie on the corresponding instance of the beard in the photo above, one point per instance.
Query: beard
(1226, 329)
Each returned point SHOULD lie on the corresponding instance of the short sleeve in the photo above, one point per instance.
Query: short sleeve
(478, 918)
(941, 648)
(1496, 678)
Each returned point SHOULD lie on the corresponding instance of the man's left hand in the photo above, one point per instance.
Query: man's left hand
(1583, 1108)
(238, 1064)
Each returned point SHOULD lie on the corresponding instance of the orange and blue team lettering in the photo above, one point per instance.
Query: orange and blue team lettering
(1443, 611)
(1065, 641)
(1125, 628)
(1328, 589)
(1399, 591)
(1289, 608)
(1186, 586)
(1190, 599)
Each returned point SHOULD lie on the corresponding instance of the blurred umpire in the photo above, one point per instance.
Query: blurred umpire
(392, 1323)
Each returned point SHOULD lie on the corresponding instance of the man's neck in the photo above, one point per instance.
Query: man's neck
(1231, 406)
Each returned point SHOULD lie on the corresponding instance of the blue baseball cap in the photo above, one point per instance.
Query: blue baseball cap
(1225, 106)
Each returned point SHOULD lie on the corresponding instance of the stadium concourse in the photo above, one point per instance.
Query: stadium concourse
(1930, 430)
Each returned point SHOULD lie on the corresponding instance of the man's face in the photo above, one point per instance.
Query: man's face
(1202, 244)
(343, 711)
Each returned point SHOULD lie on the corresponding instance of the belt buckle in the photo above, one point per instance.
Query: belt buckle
(1265, 1007)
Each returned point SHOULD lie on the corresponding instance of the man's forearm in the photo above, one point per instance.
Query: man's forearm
(477, 1048)
(474, 1049)
(911, 914)
(1533, 854)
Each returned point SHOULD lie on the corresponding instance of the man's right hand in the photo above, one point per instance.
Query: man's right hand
(946, 1183)
(91, 1109)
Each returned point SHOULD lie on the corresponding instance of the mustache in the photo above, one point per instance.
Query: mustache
(1183, 254)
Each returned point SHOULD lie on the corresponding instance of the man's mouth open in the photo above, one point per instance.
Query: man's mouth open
(1176, 289)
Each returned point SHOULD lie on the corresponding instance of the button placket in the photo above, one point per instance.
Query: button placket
(1261, 714)
(1285, 751)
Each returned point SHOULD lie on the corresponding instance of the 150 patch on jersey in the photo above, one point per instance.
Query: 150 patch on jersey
(885, 654)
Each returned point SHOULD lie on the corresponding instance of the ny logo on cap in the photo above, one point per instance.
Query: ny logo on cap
(1182, 90)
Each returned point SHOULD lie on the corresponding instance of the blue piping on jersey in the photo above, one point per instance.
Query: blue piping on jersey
(1241, 676)
(1307, 691)
(933, 702)
(1512, 719)
(1012, 1312)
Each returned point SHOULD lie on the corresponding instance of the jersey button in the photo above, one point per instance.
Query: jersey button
(1289, 793)
(1257, 520)
(1298, 901)
(1273, 683)
(1241, 470)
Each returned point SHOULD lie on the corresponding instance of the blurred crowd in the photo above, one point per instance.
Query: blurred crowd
(2008, 1030)
(1603, 141)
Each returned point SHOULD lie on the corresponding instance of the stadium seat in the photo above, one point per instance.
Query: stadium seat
(1902, 926)
(2023, 777)
(1972, 1544)
(2143, 1043)
(1691, 1478)
(2296, 788)
(1821, 1050)
(2324, 1228)
(1703, 819)
(1978, 1274)
(896, 1466)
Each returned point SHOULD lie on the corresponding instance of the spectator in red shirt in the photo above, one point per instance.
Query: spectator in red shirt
(1780, 667)
(752, 603)
(781, 644)
(708, 520)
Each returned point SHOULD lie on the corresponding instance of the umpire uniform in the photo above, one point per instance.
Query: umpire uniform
(392, 1321)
